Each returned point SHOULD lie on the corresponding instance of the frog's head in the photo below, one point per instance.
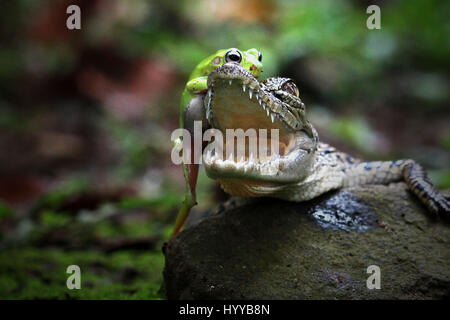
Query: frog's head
(250, 60)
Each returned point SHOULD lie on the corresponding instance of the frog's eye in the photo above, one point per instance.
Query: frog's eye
(233, 55)
(290, 87)
(259, 56)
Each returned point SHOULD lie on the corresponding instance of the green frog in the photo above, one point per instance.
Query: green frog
(192, 109)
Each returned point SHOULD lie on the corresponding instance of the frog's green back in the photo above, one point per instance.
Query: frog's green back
(207, 65)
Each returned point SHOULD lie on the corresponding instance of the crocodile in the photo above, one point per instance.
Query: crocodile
(304, 167)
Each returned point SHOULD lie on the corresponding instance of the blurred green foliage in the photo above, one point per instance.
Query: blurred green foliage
(86, 117)
(5, 211)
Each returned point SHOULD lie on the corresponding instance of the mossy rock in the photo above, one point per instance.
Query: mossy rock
(320, 249)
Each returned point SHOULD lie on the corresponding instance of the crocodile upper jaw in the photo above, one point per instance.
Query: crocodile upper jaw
(235, 100)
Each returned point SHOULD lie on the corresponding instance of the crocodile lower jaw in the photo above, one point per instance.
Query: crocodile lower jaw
(252, 168)
(236, 101)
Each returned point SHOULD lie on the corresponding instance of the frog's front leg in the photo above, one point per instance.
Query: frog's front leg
(414, 175)
(197, 85)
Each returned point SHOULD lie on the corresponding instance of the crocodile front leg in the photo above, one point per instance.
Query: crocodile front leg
(384, 172)
(334, 170)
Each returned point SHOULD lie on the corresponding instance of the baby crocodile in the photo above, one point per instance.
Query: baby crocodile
(304, 167)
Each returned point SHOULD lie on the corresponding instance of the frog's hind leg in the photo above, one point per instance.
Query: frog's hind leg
(194, 112)
(190, 172)
(190, 198)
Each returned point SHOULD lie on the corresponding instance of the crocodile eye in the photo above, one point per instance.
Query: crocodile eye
(259, 57)
(290, 87)
(233, 55)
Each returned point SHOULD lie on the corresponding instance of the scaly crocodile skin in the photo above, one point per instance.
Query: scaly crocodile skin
(334, 170)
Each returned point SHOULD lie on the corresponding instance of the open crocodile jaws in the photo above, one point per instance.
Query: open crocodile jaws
(236, 100)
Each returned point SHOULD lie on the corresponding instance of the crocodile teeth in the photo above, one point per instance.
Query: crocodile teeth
(257, 96)
(264, 106)
(272, 116)
(209, 92)
(250, 93)
(268, 112)
(230, 82)
(243, 87)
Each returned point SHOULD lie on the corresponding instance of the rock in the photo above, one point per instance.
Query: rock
(321, 249)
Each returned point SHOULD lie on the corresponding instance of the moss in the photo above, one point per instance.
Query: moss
(54, 219)
(30, 273)
(56, 197)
